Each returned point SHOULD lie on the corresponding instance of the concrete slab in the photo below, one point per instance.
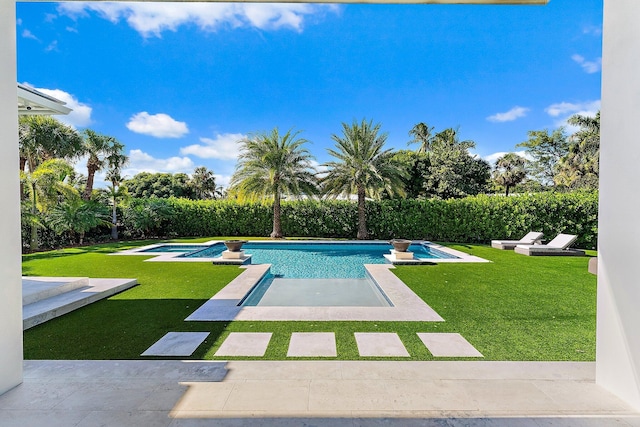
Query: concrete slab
(35, 288)
(319, 393)
(245, 344)
(385, 344)
(57, 305)
(177, 344)
(448, 345)
(312, 344)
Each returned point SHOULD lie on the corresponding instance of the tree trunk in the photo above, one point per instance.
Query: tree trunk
(23, 164)
(33, 244)
(114, 221)
(88, 189)
(277, 226)
(362, 216)
(506, 191)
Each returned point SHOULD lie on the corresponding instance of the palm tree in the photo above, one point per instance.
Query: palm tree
(44, 186)
(115, 191)
(273, 165)
(102, 150)
(76, 216)
(203, 182)
(509, 171)
(580, 167)
(363, 167)
(43, 138)
(423, 135)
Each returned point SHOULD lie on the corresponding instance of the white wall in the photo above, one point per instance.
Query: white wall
(618, 333)
(10, 284)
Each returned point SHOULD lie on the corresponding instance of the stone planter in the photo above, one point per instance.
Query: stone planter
(400, 245)
(234, 245)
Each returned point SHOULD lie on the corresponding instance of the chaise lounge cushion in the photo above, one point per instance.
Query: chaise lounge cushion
(531, 238)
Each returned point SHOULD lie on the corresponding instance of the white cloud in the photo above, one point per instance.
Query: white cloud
(151, 19)
(491, 158)
(509, 116)
(595, 30)
(223, 180)
(139, 161)
(81, 114)
(19, 21)
(158, 125)
(224, 147)
(52, 46)
(28, 35)
(589, 67)
(563, 110)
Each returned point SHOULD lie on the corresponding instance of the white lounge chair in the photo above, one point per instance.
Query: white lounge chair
(558, 246)
(531, 238)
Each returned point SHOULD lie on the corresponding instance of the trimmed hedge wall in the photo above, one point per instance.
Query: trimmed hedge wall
(475, 219)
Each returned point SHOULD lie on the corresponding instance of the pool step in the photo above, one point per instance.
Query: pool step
(69, 294)
(36, 289)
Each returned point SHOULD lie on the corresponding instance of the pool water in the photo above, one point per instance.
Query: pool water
(318, 260)
(285, 292)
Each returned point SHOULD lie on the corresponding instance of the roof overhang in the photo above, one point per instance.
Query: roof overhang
(30, 101)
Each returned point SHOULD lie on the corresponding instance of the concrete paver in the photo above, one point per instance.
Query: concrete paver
(177, 344)
(245, 344)
(448, 345)
(383, 344)
(312, 344)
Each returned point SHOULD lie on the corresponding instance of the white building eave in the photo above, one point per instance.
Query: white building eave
(30, 101)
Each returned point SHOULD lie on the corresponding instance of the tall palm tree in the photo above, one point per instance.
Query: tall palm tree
(203, 182)
(101, 150)
(509, 171)
(273, 165)
(363, 167)
(115, 191)
(44, 185)
(423, 135)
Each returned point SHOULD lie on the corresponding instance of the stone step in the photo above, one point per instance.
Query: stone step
(96, 289)
(36, 289)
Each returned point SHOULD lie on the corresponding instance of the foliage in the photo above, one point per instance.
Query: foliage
(149, 217)
(362, 168)
(546, 150)
(452, 171)
(423, 135)
(271, 165)
(203, 182)
(159, 185)
(75, 217)
(44, 138)
(579, 168)
(101, 151)
(509, 171)
(467, 220)
(416, 170)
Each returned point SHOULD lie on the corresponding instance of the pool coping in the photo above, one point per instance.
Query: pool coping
(407, 306)
(174, 256)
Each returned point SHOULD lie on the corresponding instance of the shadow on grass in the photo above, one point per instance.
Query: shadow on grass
(116, 329)
(104, 248)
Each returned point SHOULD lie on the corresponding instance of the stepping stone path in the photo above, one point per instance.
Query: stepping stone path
(177, 344)
(312, 344)
(245, 344)
(387, 344)
(448, 345)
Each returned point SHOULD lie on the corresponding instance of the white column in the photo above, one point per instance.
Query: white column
(10, 283)
(618, 330)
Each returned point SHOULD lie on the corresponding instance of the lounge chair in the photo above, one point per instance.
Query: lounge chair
(531, 238)
(558, 246)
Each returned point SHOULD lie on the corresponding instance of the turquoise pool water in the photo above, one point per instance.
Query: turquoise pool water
(318, 260)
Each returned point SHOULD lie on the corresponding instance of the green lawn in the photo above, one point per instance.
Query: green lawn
(515, 308)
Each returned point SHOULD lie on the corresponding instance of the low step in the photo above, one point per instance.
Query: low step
(36, 289)
(47, 309)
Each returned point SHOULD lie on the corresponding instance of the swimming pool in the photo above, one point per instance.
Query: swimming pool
(321, 260)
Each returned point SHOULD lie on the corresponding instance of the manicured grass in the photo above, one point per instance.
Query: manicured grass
(515, 308)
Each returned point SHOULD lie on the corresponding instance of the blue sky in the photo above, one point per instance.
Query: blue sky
(178, 84)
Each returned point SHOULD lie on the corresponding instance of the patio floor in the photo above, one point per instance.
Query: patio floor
(311, 393)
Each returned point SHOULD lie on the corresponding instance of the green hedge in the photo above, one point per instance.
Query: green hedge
(468, 220)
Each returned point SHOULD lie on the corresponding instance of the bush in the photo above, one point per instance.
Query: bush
(475, 219)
